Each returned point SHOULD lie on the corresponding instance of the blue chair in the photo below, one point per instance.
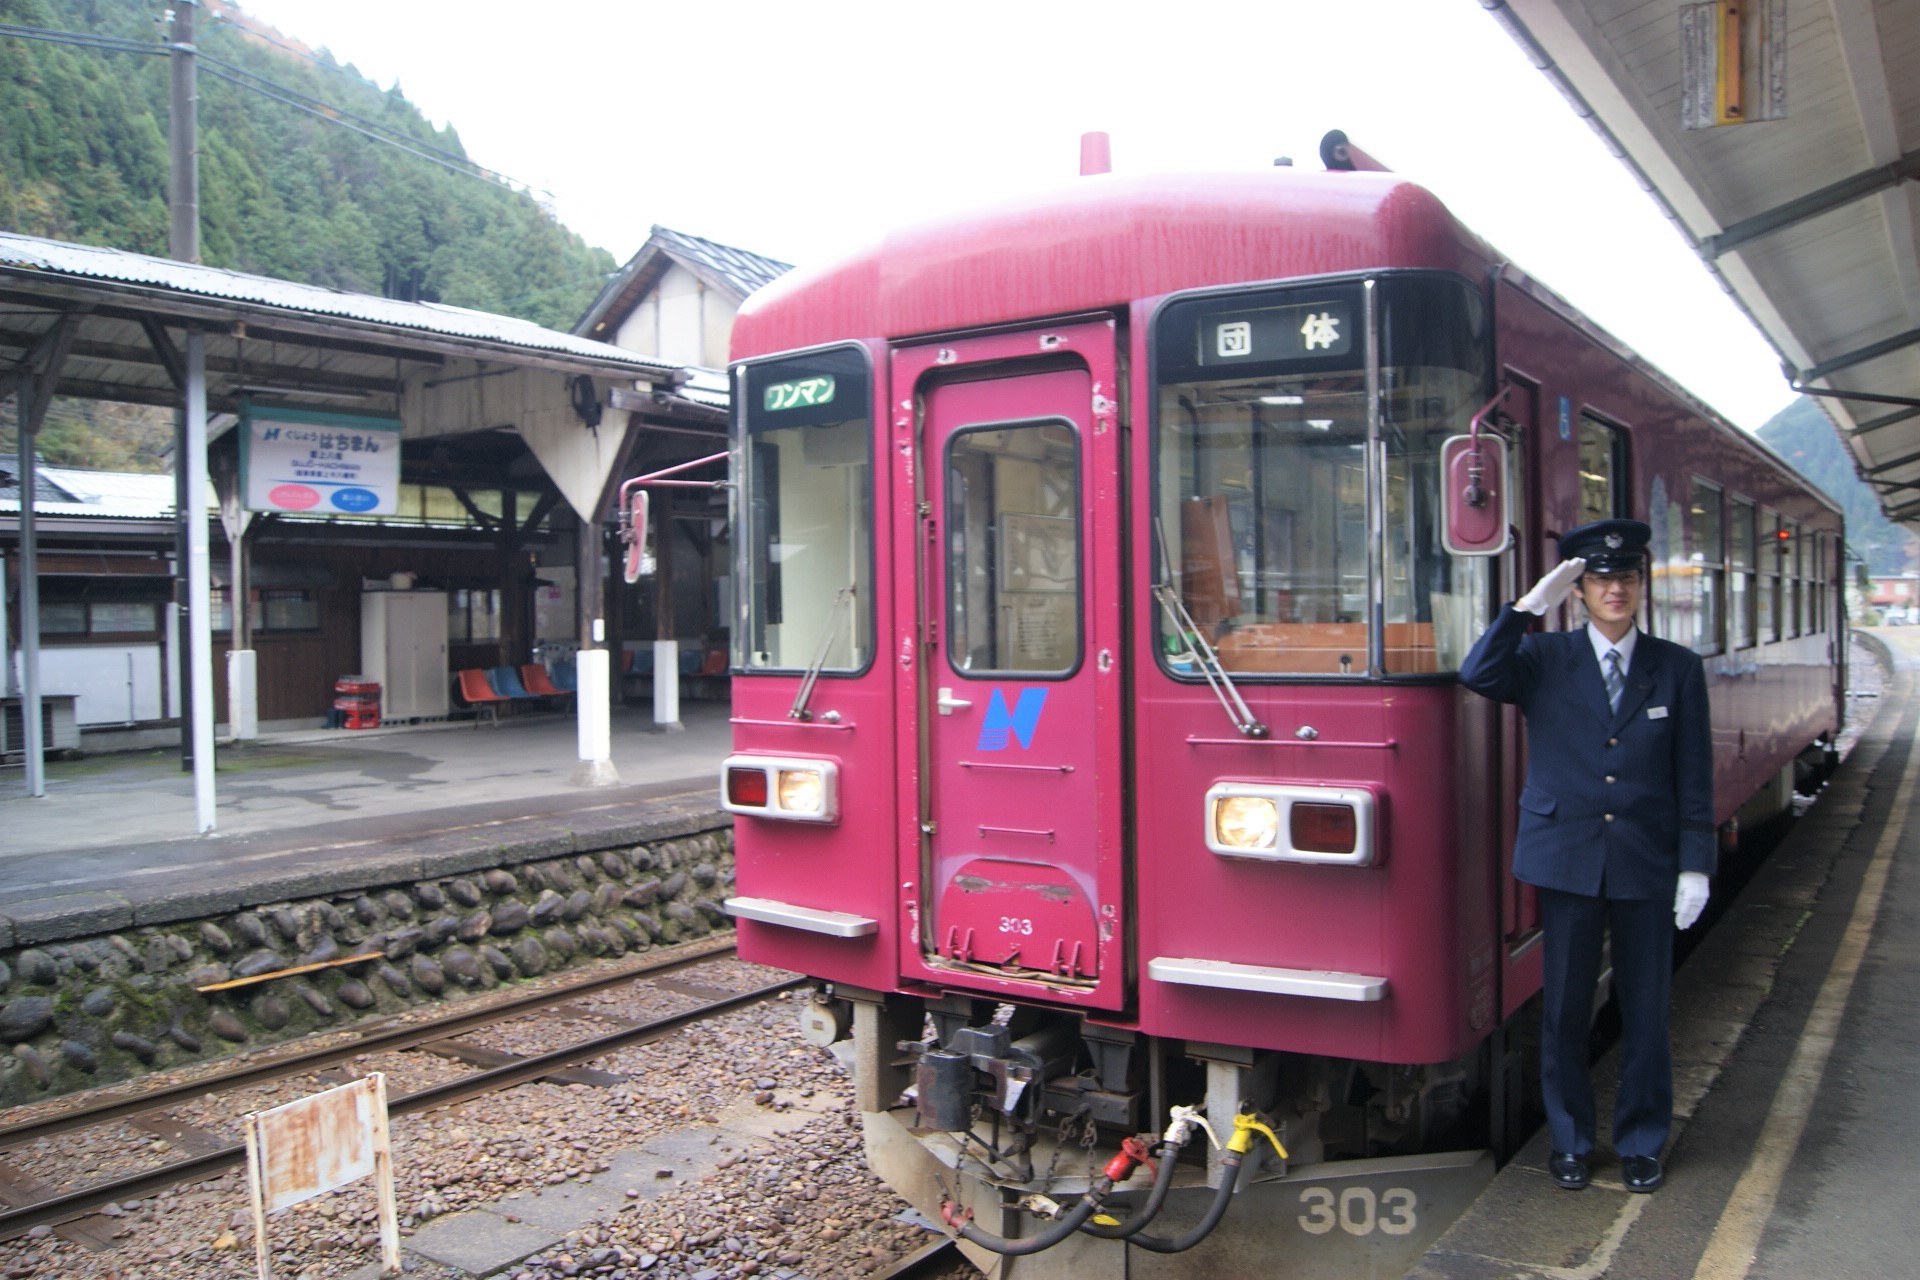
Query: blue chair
(564, 677)
(506, 683)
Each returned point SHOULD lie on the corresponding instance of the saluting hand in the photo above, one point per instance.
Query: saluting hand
(1553, 588)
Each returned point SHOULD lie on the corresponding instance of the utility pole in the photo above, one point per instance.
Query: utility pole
(183, 244)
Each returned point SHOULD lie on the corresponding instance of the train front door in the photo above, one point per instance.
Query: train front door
(1016, 680)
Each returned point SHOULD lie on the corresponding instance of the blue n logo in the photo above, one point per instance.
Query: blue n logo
(1019, 722)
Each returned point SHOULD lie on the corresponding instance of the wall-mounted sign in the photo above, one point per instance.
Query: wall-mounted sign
(325, 463)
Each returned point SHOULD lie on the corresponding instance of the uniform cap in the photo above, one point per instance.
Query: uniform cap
(1608, 546)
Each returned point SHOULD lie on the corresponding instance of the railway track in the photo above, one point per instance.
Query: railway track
(149, 1107)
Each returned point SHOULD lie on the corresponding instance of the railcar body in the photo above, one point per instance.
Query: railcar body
(1093, 665)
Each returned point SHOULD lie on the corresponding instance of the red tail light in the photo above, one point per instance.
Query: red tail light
(1323, 828)
(747, 787)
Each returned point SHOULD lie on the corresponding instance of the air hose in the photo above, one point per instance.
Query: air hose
(1136, 1222)
(1075, 1219)
(1244, 1129)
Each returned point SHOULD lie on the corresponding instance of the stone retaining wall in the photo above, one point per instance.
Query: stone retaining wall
(88, 1011)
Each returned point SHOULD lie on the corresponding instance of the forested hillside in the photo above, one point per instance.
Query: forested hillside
(1804, 436)
(83, 156)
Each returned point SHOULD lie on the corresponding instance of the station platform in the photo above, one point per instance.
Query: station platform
(1796, 1146)
(317, 812)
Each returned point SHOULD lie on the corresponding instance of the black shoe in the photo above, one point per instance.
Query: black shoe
(1642, 1173)
(1570, 1171)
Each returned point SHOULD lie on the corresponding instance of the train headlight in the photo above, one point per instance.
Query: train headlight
(1246, 822)
(779, 787)
(1292, 823)
(802, 792)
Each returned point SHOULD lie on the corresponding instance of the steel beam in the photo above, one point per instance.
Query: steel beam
(1812, 205)
(1861, 355)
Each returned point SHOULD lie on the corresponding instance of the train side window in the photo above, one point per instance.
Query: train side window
(1707, 560)
(1601, 449)
(1769, 597)
(1741, 591)
(1792, 566)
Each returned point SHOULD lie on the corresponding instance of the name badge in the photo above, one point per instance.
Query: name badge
(1656, 713)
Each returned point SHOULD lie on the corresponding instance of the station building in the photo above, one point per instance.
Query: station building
(507, 434)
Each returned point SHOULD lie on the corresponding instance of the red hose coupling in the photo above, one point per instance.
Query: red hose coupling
(954, 1216)
(1133, 1154)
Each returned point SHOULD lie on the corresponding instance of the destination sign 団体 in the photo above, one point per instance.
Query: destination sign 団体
(800, 394)
(1293, 332)
(325, 464)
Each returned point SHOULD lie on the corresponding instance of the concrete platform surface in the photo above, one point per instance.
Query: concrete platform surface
(112, 843)
(1797, 1070)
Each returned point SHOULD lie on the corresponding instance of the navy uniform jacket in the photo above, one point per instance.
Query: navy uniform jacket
(1615, 802)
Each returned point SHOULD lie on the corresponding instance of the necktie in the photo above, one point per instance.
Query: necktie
(1616, 682)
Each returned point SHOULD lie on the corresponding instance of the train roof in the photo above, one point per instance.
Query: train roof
(1102, 241)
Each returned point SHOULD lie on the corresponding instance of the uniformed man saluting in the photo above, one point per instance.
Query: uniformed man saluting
(1616, 823)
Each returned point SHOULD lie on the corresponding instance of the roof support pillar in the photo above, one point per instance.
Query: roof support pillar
(199, 581)
(35, 390)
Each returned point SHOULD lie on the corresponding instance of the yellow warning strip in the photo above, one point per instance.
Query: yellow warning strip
(1736, 1238)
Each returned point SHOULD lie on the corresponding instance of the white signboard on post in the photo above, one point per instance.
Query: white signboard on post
(304, 1148)
(324, 463)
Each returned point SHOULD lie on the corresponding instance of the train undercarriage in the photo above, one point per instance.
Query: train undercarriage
(999, 1120)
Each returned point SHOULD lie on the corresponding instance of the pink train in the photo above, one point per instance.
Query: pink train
(1102, 560)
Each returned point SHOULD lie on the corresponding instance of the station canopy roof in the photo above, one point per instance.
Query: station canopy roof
(1808, 210)
(267, 339)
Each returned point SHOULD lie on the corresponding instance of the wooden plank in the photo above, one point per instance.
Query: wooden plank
(95, 1231)
(481, 1056)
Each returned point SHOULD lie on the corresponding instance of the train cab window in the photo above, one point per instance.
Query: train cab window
(1013, 553)
(1601, 448)
(1741, 592)
(803, 437)
(1263, 477)
(1707, 565)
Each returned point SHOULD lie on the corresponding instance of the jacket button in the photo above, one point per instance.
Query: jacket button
(1609, 817)
(1613, 742)
(1609, 777)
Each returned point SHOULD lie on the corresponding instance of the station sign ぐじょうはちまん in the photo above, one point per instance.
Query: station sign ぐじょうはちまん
(328, 464)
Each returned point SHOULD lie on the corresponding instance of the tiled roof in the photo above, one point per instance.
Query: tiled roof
(735, 271)
(743, 270)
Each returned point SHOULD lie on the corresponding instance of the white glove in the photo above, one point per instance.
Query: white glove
(1689, 899)
(1553, 588)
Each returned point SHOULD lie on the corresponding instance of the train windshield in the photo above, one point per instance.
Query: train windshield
(1297, 549)
(804, 549)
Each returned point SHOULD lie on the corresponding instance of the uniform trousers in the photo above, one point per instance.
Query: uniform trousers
(1642, 930)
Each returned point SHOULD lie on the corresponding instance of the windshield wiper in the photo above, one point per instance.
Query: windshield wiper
(798, 711)
(1197, 647)
(1209, 663)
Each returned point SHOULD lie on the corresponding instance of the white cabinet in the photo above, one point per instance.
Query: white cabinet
(403, 645)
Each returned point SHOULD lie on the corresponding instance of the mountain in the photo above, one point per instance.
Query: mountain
(1804, 435)
(299, 194)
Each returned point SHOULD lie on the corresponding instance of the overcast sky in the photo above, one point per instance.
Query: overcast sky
(801, 130)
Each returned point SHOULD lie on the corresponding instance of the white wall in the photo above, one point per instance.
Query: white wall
(116, 684)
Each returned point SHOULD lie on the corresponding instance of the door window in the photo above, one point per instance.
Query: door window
(1013, 549)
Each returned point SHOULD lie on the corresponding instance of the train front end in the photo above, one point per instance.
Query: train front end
(1096, 742)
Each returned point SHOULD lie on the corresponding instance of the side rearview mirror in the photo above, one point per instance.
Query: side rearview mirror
(1475, 514)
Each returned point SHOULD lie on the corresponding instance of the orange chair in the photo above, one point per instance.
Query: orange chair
(478, 694)
(539, 683)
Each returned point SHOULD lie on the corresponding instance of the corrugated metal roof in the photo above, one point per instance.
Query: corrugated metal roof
(20, 253)
(1811, 219)
(117, 495)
